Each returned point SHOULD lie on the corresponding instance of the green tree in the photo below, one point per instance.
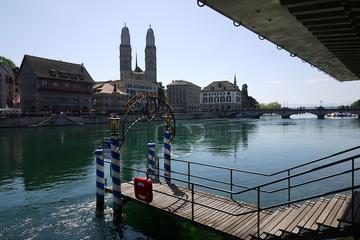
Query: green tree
(356, 104)
(270, 106)
(4, 60)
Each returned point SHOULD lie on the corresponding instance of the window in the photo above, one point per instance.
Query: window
(228, 99)
(222, 99)
(210, 99)
(204, 100)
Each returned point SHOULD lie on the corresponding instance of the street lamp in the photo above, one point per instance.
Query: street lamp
(114, 124)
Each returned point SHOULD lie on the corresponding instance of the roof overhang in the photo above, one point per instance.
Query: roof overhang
(323, 33)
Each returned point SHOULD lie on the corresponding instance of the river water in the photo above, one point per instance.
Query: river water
(47, 175)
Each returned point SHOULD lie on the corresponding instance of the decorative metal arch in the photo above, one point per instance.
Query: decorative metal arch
(147, 107)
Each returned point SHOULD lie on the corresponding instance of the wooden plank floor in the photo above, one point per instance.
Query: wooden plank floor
(177, 200)
(222, 214)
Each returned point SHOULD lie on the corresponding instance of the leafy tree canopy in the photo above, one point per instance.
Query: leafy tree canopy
(356, 104)
(4, 60)
(270, 106)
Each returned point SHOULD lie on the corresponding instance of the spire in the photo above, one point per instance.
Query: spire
(235, 79)
(137, 69)
(125, 35)
(136, 65)
(150, 38)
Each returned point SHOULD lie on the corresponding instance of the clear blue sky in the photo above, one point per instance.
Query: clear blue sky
(193, 44)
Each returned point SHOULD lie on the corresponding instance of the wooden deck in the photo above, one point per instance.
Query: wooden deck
(310, 217)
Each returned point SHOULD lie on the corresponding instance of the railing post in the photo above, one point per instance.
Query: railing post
(188, 169)
(192, 201)
(158, 169)
(100, 179)
(258, 212)
(352, 189)
(231, 183)
(289, 187)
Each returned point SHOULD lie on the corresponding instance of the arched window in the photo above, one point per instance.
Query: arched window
(204, 100)
(210, 99)
(222, 99)
(228, 99)
(216, 99)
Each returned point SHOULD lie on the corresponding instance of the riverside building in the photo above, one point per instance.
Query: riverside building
(7, 86)
(220, 96)
(137, 81)
(54, 86)
(183, 96)
(108, 99)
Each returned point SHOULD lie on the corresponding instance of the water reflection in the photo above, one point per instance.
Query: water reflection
(46, 155)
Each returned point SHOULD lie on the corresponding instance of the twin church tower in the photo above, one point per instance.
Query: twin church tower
(126, 72)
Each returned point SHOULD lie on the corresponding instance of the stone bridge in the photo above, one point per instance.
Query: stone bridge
(287, 112)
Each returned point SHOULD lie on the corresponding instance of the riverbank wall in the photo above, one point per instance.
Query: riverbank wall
(64, 120)
(52, 120)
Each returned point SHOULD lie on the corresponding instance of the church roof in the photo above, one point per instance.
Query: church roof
(57, 69)
(138, 70)
(181, 83)
(221, 86)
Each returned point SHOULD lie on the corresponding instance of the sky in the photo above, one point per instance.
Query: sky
(193, 44)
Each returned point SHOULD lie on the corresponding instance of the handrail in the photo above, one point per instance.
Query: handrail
(247, 189)
(258, 188)
(300, 174)
(193, 176)
(267, 174)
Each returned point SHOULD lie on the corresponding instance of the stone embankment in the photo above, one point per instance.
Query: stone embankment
(63, 120)
(52, 120)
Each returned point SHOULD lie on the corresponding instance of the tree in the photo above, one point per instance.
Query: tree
(4, 60)
(356, 104)
(270, 106)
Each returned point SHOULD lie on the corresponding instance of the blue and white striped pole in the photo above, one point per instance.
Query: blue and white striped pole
(116, 178)
(151, 161)
(167, 154)
(100, 179)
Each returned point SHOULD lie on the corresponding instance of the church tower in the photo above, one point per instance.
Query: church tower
(125, 54)
(150, 56)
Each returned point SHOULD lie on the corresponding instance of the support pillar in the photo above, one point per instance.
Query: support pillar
(100, 180)
(151, 170)
(167, 150)
(116, 176)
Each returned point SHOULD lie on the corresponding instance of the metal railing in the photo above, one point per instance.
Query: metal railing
(262, 188)
(232, 171)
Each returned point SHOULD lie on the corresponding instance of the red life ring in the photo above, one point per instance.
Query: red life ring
(143, 189)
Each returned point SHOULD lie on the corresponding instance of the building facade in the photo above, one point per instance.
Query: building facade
(183, 96)
(220, 96)
(7, 86)
(54, 86)
(136, 81)
(108, 98)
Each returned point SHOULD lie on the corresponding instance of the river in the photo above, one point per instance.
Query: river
(47, 175)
